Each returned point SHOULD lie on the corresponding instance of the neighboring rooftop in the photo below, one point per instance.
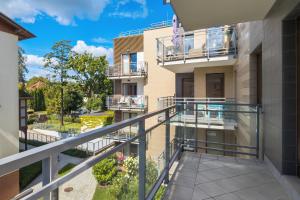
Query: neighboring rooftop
(9, 26)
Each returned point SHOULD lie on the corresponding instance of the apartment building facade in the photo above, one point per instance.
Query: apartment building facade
(10, 34)
(199, 67)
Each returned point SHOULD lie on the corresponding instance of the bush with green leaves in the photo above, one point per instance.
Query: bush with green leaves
(105, 170)
(32, 118)
(131, 165)
(125, 186)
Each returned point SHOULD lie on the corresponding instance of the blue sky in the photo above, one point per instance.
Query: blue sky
(89, 24)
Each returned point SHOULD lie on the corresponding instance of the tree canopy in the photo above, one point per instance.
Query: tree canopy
(90, 73)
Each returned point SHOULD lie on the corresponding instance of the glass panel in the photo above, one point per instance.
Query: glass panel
(133, 62)
(189, 43)
(215, 40)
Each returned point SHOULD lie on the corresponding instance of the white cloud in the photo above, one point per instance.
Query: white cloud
(101, 40)
(64, 12)
(124, 9)
(82, 47)
(34, 61)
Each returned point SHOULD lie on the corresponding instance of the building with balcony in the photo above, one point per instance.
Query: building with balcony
(10, 34)
(220, 125)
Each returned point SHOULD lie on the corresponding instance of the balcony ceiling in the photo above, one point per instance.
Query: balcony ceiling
(197, 14)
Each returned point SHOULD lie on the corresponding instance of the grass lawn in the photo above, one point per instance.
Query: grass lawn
(29, 173)
(102, 193)
(66, 169)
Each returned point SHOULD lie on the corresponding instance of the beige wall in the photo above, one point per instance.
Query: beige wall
(160, 82)
(250, 37)
(9, 125)
(200, 80)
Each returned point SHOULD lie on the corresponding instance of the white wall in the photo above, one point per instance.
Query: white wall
(9, 125)
(140, 59)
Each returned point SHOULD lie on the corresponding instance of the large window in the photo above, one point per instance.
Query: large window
(133, 62)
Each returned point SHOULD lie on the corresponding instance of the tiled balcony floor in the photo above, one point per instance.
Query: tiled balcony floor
(202, 176)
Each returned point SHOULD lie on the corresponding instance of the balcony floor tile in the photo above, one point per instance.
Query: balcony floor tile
(210, 177)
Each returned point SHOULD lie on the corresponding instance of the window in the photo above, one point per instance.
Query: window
(130, 89)
(133, 62)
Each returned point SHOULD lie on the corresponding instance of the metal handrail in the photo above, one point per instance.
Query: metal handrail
(47, 153)
(19, 160)
(169, 51)
(117, 71)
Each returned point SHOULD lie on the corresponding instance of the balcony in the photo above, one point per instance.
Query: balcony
(202, 48)
(132, 70)
(184, 174)
(195, 14)
(127, 103)
(209, 113)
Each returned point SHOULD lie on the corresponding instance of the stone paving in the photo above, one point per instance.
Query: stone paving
(208, 177)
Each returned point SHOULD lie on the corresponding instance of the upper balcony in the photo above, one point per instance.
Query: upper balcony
(195, 14)
(127, 103)
(186, 51)
(128, 71)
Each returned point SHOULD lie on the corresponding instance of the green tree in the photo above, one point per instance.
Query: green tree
(73, 99)
(91, 74)
(52, 94)
(22, 69)
(94, 103)
(57, 60)
(38, 102)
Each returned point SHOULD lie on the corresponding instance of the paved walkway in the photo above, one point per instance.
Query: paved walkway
(201, 176)
(83, 185)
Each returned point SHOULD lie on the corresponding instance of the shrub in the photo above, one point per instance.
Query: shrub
(32, 118)
(30, 111)
(105, 170)
(72, 119)
(131, 165)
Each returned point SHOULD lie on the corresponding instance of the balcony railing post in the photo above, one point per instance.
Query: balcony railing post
(196, 129)
(142, 160)
(49, 172)
(257, 131)
(167, 146)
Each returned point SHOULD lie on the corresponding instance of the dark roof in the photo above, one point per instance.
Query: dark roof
(17, 29)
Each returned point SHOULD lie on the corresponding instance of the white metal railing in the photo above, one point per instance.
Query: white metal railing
(90, 147)
(155, 25)
(204, 43)
(138, 69)
(120, 102)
